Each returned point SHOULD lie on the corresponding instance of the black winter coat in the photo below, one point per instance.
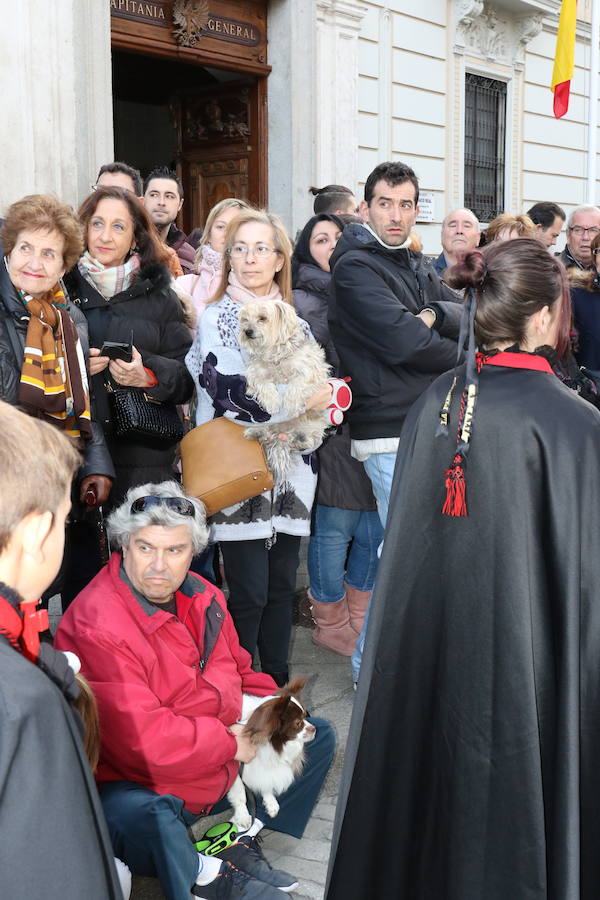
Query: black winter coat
(391, 355)
(13, 330)
(55, 842)
(151, 310)
(343, 482)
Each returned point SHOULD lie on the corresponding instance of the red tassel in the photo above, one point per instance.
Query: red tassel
(456, 489)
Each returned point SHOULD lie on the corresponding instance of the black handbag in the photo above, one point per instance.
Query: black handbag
(138, 417)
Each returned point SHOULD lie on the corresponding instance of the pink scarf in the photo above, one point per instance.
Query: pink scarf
(209, 268)
(241, 294)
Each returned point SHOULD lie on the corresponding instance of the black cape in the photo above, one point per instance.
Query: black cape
(54, 842)
(472, 770)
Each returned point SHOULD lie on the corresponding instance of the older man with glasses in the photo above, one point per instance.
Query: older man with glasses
(582, 227)
(162, 655)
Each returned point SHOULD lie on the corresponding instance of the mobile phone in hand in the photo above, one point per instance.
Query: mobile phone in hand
(117, 350)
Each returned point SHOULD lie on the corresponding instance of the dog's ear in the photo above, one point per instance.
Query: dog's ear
(294, 688)
(287, 320)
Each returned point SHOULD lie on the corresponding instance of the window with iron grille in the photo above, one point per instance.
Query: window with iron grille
(485, 132)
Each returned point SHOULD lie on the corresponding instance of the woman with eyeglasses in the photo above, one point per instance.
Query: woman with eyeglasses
(259, 538)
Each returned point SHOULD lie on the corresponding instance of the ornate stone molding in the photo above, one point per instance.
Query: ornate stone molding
(491, 33)
(343, 13)
(467, 11)
(528, 28)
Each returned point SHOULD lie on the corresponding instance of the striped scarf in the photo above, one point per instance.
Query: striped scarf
(54, 383)
(108, 280)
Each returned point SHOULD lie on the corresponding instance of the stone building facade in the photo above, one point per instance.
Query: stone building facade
(328, 89)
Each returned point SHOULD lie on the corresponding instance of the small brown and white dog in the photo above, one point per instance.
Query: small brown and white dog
(277, 726)
(280, 352)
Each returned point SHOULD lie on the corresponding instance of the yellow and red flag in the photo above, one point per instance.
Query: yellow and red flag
(564, 59)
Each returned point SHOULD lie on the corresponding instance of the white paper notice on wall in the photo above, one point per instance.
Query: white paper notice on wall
(426, 207)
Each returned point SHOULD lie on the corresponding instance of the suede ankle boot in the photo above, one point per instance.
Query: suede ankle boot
(358, 601)
(333, 629)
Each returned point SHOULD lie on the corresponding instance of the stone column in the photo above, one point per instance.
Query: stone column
(57, 100)
(291, 98)
(336, 100)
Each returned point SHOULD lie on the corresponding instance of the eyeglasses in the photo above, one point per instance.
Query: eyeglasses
(96, 187)
(579, 230)
(261, 251)
(180, 505)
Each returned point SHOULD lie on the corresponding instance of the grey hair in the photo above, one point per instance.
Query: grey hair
(122, 524)
(587, 207)
(462, 209)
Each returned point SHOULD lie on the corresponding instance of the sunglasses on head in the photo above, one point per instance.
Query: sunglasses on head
(179, 504)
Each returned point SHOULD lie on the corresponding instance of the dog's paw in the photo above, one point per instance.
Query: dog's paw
(242, 820)
(271, 805)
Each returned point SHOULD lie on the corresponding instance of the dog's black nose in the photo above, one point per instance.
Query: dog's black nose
(249, 332)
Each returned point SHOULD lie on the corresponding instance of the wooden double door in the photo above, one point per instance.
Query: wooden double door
(221, 145)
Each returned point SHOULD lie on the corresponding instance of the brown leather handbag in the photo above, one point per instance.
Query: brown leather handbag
(221, 467)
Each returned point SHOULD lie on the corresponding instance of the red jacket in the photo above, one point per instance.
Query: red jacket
(167, 687)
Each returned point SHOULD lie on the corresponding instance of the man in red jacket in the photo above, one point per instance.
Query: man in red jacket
(163, 657)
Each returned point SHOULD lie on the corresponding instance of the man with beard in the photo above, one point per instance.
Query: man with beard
(394, 324)
(163, 198)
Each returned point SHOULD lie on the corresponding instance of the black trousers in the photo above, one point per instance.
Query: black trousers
(261, 584)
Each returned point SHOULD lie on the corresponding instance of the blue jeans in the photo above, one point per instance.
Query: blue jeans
(149, 831)
(380, 469)
(329, 562)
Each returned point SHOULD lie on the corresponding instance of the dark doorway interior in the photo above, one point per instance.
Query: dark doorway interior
(195, 119)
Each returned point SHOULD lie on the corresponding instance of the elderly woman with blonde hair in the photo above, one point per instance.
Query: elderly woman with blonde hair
(506, 227)
(259, 538)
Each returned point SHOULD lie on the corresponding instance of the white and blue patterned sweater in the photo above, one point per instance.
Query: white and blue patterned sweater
(217, 364)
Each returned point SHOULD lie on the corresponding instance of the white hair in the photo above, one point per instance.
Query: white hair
(122, 524)
(464, 209)
(587, 207)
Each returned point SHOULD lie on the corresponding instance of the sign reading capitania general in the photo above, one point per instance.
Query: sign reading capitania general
(191, 20)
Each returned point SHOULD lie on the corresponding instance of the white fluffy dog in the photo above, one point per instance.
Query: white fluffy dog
(281, 353)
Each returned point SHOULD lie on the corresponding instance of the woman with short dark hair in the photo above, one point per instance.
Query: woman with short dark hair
(476, 735)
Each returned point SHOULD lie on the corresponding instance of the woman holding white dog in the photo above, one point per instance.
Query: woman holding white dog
(346, 531)
(259, 538)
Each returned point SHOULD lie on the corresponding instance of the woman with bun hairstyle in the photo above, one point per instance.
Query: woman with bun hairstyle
(346, 531)
(476, 736)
